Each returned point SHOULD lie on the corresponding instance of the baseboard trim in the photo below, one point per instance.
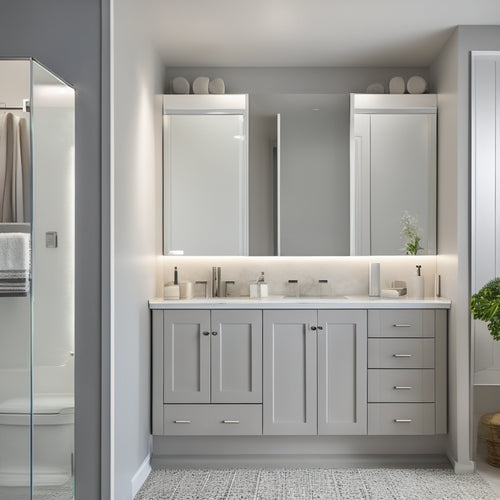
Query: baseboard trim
(141, 475)
(462, 467)
(296, 461)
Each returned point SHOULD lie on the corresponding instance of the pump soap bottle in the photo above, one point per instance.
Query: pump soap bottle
(419, 285)
(171, 290)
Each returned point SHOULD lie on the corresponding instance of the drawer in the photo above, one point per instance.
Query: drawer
(401, 386)
(400, 353)
(401, 323)
(401, 418)
(212, 420)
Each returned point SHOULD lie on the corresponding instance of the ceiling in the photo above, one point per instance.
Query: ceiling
(308, 32)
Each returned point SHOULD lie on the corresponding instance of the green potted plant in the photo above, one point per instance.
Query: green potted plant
(412, 232)
(485, 305)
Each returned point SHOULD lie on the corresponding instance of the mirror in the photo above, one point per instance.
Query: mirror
(308, 194)
(299, 147)
(393, 174)
(205, 175)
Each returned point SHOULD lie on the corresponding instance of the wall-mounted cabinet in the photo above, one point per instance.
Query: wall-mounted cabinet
(299, 372)
(485, 202)
(393, 171)
(205, 175)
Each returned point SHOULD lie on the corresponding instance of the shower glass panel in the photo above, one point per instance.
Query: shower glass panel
(53, 116)
(36, 283)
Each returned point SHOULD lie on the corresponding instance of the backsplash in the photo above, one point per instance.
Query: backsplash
(345, 275)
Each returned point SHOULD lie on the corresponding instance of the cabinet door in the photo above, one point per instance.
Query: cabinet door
(290, 383)
(342, 372)
(186, 356)
(236, 356)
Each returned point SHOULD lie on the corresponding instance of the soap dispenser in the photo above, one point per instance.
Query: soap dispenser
(263, 287)
(171, 289)
(418, 284)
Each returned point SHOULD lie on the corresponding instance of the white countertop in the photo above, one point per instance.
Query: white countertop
(345, 302)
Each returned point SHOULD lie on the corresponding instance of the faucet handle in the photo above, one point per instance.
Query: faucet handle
(203, 282)
(228, 282)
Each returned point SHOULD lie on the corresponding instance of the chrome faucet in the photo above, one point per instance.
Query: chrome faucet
(216, 286)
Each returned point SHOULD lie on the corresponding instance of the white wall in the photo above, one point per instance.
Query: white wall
(135, 241)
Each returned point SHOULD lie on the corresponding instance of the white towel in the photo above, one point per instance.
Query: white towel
(14, 253)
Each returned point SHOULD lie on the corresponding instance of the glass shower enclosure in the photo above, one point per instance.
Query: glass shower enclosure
(37, 205)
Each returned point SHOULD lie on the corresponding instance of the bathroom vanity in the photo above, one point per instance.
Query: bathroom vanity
(299, 366)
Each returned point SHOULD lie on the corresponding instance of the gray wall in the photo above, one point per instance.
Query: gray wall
(66, 37)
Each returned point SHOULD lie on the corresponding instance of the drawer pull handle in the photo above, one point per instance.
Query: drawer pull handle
(402, 387)
(402, 355)
(230, 421)
(400, 325)
(403, 420)
(182, 421)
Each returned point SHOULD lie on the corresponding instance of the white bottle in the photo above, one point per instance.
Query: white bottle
(263, 288)
(418, 285)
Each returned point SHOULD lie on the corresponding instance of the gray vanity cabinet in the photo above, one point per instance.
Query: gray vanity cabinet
(342, 364)
(315, 372)
(185, 346)
(290, 388)
(202, 359)
(236, 356)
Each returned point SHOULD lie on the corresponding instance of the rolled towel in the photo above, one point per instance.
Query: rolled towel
(216, 86)
(397, 85)
(180, 85)
(200, 85)
(14, 252)
(416, 85)
(375, 88)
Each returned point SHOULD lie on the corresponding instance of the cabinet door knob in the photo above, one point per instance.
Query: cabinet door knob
(214, 333)
(313, 328)
(320, 327)
(206, 333)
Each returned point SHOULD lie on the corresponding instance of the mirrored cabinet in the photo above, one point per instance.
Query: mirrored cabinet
(205, 172)
(393, 172)
(298, 174)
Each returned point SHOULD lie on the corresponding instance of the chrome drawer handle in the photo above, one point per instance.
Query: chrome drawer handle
(400, 325)
(230, 421)
(182, 421)
(402, 355)
(402, 387)
(402, 420)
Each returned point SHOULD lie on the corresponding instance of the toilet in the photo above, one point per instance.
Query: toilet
(53, 440)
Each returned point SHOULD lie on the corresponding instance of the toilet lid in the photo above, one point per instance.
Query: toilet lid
(43, 404)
